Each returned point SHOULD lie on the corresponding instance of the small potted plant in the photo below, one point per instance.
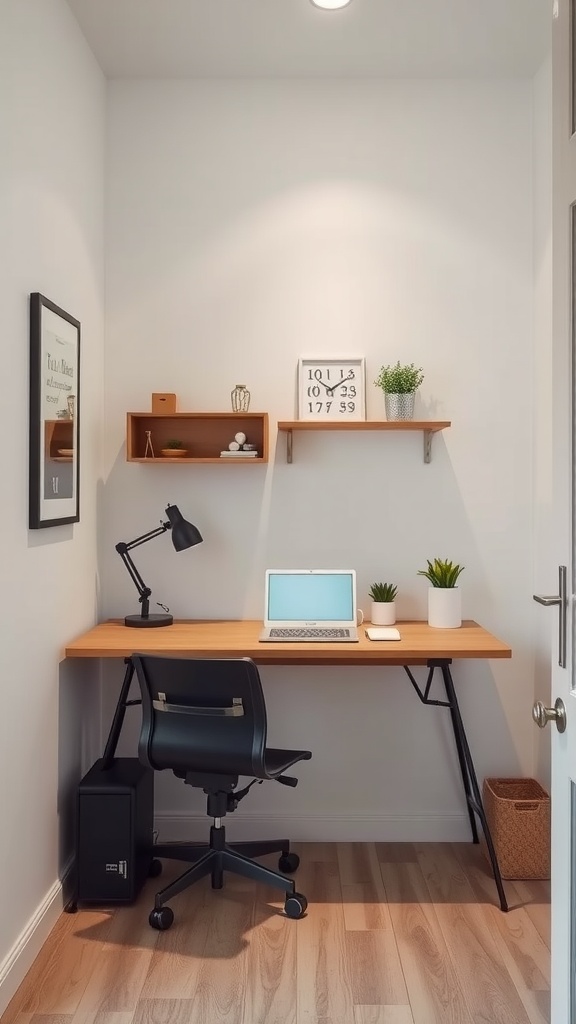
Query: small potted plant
(174, 449)
(383, 609)
(399, 384)
(444, 596)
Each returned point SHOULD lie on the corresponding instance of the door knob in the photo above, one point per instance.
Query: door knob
(542, 715)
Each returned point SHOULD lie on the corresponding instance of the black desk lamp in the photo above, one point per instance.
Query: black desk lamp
(184, 535)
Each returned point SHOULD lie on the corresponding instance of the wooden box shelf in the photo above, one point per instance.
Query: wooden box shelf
(428, 428)
(203, 434)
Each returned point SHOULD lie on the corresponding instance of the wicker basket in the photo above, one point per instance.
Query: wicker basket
(518, 813)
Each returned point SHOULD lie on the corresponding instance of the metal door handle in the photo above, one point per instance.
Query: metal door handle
(562, 601)
(542, 715)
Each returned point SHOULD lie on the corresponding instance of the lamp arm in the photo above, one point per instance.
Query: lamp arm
(135, 576)
(123, 548)
(145, 536)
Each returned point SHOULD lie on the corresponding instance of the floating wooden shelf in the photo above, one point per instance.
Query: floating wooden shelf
(203, 434)
(428, 428)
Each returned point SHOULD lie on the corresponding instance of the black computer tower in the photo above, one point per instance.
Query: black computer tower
(114, 831)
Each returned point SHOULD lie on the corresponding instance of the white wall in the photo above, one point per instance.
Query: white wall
(52, 106)
(249, 223)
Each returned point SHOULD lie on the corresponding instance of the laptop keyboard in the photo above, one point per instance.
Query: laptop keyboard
(305, 633)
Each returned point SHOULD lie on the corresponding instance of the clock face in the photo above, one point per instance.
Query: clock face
(331, 389)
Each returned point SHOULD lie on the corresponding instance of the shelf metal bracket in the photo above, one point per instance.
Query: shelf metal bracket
(288, 446)
(428, 434)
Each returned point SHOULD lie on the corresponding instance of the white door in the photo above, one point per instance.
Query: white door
(563, 689)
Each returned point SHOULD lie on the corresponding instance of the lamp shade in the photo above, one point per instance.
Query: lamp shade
(184, 534)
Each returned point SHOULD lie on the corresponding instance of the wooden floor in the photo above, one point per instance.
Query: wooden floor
(394, 934)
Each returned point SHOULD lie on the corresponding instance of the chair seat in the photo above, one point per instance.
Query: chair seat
(277, 761)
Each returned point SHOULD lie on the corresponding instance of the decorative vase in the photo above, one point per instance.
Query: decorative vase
(383, 613)
(240, 398)
(399, 407)
(445, 607)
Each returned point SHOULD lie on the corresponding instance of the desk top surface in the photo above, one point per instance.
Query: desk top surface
(239, 638)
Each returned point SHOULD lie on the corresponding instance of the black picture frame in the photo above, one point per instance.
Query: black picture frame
(54, 463)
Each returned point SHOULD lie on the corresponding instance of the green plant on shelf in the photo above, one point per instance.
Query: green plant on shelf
(174, 444)
(400, 380)
(383, 593)
(441, 573)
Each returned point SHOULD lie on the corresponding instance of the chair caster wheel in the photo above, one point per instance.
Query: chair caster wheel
(295, 905)
(155, 868)
(161, 918)
(288, 863)
(71, 907)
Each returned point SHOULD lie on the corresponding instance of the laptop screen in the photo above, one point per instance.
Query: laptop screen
(310, 596)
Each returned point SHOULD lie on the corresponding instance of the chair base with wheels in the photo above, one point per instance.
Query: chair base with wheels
(219, 856)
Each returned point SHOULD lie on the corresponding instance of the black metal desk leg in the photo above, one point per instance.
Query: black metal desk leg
(471, 786)
(458, 729)
(118, 720)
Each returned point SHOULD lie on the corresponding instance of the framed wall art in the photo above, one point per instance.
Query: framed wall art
(331, 388)
(54, 497)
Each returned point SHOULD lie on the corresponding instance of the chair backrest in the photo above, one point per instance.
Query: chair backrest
(202, 715)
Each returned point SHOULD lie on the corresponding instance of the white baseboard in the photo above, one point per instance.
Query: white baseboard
(331, 828)
(19, 960)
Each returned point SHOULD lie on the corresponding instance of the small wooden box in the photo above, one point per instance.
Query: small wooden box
(163, 402)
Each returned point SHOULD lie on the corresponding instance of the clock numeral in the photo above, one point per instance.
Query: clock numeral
(317, 374)
(347, 406)
(321, 406)
(314, 391)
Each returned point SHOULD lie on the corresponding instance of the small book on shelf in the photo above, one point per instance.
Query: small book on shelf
(238, 455)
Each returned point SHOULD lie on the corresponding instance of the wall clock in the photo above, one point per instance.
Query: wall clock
(332, 388)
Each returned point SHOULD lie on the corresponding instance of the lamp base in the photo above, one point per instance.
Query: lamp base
(150, 622)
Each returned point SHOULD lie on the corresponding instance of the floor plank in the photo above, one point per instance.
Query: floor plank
(383, 1015)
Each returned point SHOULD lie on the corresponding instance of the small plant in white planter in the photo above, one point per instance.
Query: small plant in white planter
(444, 596)
(383, 608)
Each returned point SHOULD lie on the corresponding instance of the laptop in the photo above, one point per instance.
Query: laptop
(309, 605)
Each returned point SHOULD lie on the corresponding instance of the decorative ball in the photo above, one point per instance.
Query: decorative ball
(240, 437)
(233, 446)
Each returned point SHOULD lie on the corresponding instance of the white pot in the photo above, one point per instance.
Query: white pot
(445, 607)
(383, 613)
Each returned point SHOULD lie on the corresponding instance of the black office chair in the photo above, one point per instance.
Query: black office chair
(205, 719)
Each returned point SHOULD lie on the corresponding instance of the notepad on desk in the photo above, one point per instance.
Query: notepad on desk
(382, 633)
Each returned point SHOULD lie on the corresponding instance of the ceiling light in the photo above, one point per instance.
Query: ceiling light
(330, 5)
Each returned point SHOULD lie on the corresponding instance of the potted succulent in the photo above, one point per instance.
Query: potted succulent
(383, 609)
(174, 449)
(399, 384)
(444, 596)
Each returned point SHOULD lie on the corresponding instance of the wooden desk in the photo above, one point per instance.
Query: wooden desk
(233, 639)
(419, 645)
